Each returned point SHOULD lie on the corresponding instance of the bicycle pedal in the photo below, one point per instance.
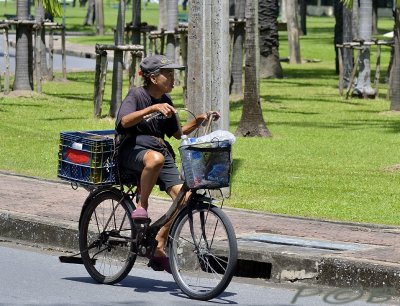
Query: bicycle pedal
(74, 260)
(140, 221)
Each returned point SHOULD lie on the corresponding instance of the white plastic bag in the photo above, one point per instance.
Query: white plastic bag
(218, 135)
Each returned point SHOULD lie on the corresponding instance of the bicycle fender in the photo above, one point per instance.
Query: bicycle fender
(95, 193)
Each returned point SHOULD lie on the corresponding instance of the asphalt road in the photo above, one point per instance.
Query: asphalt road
(73, 63)
(34, 276)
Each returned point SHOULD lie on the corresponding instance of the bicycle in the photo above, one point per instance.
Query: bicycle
(201, 244)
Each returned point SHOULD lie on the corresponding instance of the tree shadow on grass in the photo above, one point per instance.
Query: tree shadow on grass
(84, 98)
(292, 73)
(63, 118)
(390, 127)
(35, 104)
(236, 165)
(82, 78)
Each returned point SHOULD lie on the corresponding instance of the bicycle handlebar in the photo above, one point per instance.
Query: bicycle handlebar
(210, 119)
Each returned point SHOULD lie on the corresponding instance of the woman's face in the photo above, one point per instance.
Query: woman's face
(165, 80)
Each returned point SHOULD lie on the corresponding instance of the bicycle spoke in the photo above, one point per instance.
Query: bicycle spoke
(203, 252)
(106, 239)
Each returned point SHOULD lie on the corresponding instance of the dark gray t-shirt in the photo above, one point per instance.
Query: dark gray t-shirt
(142, 133)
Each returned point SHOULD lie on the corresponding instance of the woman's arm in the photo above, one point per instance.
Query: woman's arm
(196, 122)
(135, 117)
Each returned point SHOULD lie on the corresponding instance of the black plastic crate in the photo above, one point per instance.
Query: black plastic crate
(86, 157)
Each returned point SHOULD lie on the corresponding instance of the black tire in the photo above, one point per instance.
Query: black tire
(203, 268)
(105, 238)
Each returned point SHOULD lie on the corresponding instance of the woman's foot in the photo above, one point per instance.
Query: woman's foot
(159, 263)
(139, 213)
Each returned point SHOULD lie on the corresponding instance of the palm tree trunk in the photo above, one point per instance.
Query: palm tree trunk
(39, 17)
(232, 5)
(136, 21)
(90, 15)
(252, 122)
(338, 38)
(347, 52)
(118, 65)
(184, 4)
(356, 21)
(303, 17)
(235, 86)
(363, 87)
(172, 23)
(395, 73)
(293, 32)
(99, 13)
(24, 56)
(270, 66)
(163, 14)
(375, 17)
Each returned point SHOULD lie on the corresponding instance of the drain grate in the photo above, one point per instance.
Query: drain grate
(305, 243)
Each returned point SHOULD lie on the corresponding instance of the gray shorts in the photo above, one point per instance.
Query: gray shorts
(169, 175)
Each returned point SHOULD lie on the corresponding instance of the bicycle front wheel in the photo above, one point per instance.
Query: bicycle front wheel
(106, 238)
(203, 252)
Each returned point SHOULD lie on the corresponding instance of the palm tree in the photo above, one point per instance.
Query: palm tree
(338, 37)
(136, 21)
(231, 7)
(252, 122)
(90, 14)
(343, 34)
(363, 87)
(99, 14)
(347, 53)
(39, 17)
(163, 23)
(293, 32)
(303, 16)
(118, 66)
(94, 15)
(172, 23)
(270, 66)
(24, 51)
(235, 86)
(395, 73)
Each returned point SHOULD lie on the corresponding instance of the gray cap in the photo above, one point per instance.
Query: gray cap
(153, 64)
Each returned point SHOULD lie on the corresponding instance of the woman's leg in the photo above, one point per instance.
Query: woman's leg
(153, 161)
(163, 232)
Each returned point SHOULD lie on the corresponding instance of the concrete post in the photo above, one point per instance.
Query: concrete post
(208, 59)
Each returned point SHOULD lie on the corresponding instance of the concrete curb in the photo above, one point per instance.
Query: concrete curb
(39, 230)
(255, 260)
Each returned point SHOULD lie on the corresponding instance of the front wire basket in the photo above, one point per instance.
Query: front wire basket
(207, 165)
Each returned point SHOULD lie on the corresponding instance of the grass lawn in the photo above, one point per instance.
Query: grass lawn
(329, 157)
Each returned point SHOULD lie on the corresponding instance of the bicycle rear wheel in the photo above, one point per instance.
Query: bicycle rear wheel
(105, 238)
(203, 252)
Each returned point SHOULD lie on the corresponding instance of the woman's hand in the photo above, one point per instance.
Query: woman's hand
(164, 108)
(210, 115)
(214, 115)
(202, 119)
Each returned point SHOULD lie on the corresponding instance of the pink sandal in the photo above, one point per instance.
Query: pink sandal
(139, 213)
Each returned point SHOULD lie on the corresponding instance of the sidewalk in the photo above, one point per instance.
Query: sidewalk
(274, 247)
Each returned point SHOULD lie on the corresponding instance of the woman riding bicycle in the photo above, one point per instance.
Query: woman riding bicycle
(143, 148)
